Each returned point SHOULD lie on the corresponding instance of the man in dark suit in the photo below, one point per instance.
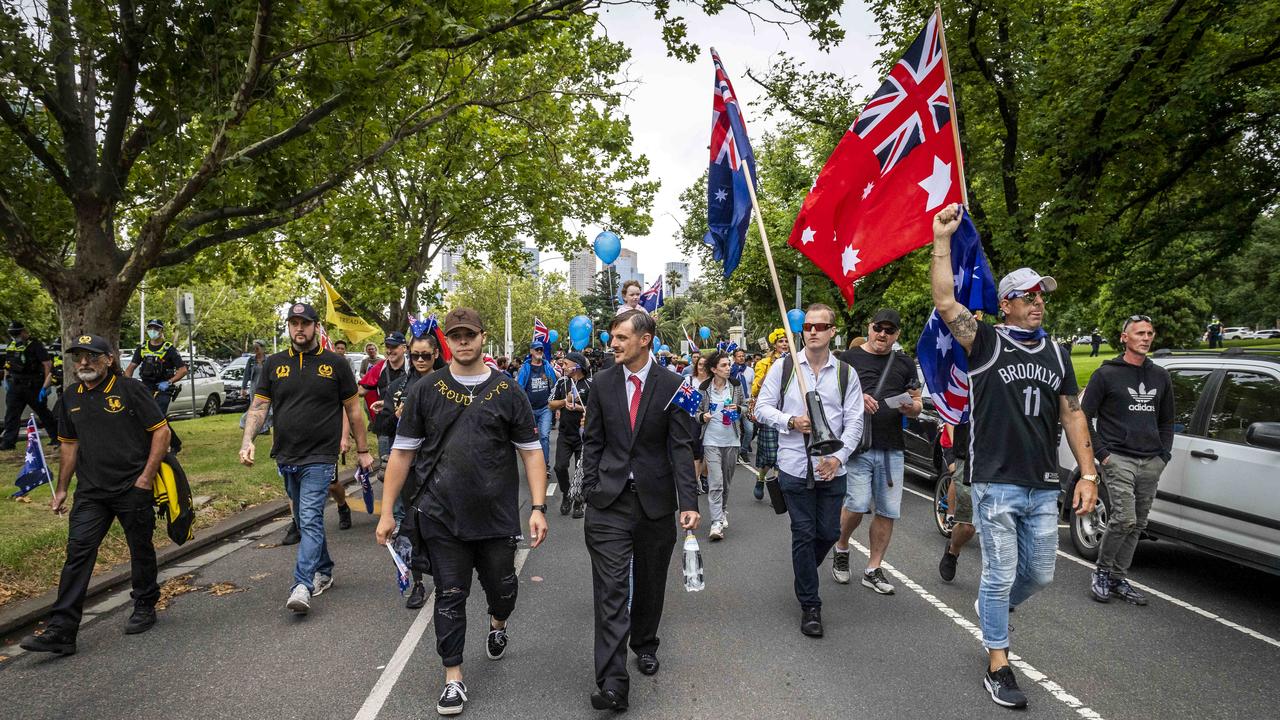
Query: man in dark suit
(637, 471)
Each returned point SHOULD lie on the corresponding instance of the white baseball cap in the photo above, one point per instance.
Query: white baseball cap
(1025, 279)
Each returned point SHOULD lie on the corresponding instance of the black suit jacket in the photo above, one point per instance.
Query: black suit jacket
(659, 453)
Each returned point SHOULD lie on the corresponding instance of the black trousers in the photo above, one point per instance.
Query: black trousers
(617, 536)
(568, 445)
(89, 522)
(452, 563)
(24, 395)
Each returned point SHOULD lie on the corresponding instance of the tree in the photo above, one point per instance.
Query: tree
(1245, 290)
(545, 296)
(601, 303)
(138, 137)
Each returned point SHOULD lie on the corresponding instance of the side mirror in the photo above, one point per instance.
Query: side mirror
(1264, 434)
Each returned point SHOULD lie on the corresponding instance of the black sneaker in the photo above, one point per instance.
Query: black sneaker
(142, 620)
(52, 639)
(1003, 687)
(566, 505)
(947, 566)
(344, 517)
(811, 622)
(291, 536)
(417, 597)
(877, 581)
(579, 509)
(453, 699)
(1121, 588)
(496, 644)
(1100, 587)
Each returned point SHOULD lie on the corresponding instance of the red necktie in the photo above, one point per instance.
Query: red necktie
(635, 400)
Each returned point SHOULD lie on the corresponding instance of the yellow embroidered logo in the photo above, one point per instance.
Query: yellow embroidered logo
(324, 370)
(282, 372)
(114, 404)
(84, 339)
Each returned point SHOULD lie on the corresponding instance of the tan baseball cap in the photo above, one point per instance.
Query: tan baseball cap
(463, 319)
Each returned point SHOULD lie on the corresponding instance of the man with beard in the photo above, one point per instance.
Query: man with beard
(459, 433)
(309, 388)
(113, 439)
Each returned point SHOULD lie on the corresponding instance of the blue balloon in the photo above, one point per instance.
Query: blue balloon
(604, 338)
(555, 336)
(608, 246)
(656, 342)
(665, 348)
(795, 318)
(580, 329)
(704, 332)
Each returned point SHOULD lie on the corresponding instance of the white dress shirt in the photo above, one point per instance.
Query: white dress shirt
(843, 414)
(631, 390)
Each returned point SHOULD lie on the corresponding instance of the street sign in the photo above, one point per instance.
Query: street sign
(187, 309)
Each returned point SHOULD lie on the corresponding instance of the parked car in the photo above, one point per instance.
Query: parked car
(1218, 492)
(1236, 333)
(922, 455)
(234, 398)
(1266, 334)
(204, 373)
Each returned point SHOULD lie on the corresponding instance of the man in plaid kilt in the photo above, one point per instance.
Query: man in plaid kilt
(766, 437)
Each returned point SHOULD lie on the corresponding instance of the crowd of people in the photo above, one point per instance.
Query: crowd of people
(631, 463)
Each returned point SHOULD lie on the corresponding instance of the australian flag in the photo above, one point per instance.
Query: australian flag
(687, 398)
(728, 199)
(942, 360)
(35, 472)
(430, 326)
(653, 298)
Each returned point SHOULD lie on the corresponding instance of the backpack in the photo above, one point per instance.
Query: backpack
(789, 367)
(172, 494)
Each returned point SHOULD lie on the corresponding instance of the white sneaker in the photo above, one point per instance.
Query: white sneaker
(840, 566)
(875, 580)
(717, 531)
(320, 583)
(725, 522)
(299, 600)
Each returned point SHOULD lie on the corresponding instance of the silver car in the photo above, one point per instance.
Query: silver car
(205, 375)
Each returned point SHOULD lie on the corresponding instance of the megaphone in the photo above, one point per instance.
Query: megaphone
(821, 440)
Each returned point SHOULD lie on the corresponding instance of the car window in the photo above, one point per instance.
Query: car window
(1244, 399)
(1187, 384)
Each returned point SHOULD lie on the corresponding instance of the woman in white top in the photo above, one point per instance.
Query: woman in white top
(720, 415)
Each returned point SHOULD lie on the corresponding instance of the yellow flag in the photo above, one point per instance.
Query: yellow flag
(341, 315)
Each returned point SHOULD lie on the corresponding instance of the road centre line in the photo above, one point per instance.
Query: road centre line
(1028, 672)
(396, 665)
(1152, 591)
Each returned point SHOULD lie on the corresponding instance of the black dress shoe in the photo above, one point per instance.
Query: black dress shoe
(344, 517)
(579, 509)
(811, 622)
(609, 700)
(648, 663)
(142, 619)
(53, 640)
(291, 536)
(417, 597)
(565, 505)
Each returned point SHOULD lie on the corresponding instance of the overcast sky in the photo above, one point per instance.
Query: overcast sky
(670, 106)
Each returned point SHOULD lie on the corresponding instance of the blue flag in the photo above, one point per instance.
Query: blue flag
(653, 298)
(942, 360)
(366, 488)
(728, 199)
(687, 398)
(35, 472)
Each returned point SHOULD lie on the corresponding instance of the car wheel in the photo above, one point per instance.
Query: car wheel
(943, 517)
(1087, 530)
(211, 406)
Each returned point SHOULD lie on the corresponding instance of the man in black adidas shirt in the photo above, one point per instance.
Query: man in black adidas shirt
(1021, 389)
(1131, 400)
(570, 398)
(459, 432)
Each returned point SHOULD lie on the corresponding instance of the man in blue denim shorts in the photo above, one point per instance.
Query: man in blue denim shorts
(1021, 390)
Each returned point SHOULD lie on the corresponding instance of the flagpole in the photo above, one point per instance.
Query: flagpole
(951, 103)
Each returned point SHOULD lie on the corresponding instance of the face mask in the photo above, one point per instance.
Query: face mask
(153, 334)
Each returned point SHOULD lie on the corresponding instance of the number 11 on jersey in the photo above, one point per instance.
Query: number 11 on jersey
(1031, 405)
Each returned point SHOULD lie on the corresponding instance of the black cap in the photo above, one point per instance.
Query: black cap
(887, 315)
(395, 339)
(577, 358)
(92, 343)
(302, 310)
(154, 322)
(16, 326)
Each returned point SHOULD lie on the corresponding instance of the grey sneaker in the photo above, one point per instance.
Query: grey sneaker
(320, 583)
(876, 581)
(840, 566)
(717, 531)
(299, 600)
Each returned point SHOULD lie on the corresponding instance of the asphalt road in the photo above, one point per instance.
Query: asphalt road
(1207, 647)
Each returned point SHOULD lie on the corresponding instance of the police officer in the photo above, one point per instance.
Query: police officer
(55, 356)
(113, 438)
(159, 365)
(28, 374)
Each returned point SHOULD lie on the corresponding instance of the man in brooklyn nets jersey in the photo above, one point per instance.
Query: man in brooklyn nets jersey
(1021, 386)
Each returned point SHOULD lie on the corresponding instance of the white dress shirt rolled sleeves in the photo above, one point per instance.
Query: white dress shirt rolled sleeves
(843, 414)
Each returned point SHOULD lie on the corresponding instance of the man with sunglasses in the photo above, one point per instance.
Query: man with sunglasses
(875, 476)
(1021, 390)
(1130, 400)
(113, 439)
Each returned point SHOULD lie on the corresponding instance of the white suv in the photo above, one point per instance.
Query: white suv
(1219, 491)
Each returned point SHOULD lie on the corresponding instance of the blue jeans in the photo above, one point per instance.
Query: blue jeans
(875, 480)
(815, 527)
(1018, 528)
(542, 416)
(308, 487)
(748, 429)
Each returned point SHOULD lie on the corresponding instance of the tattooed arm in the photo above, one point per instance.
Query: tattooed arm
(253, 422)
(957, 317)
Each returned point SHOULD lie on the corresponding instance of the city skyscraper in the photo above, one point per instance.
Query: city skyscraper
(532, 257)
(627, 266)
(582, 271)
(449, 265)
(672, 270)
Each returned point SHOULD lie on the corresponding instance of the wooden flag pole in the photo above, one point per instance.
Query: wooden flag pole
(951, 103)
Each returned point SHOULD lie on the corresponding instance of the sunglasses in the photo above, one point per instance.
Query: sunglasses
(1133, 319)
(817, 327)
(424, 356)
(886, 328)
(84, 357)
(1029, 297)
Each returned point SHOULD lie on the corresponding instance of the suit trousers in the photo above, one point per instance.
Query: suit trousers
(616, 536)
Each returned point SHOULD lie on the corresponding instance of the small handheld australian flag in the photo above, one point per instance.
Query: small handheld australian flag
(35, 472)
(687, 398)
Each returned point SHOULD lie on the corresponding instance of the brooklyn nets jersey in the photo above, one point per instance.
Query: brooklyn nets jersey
(1014, 409)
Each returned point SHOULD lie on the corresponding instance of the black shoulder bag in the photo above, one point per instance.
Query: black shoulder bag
(864, 443)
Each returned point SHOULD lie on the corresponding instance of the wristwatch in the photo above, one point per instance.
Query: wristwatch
(1091, 478)
(791, 423)
(540, 508)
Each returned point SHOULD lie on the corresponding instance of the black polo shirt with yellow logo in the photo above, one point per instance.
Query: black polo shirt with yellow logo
(111, 425)
(307, 391)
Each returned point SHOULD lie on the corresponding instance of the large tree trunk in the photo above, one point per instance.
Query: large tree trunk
(91, 295)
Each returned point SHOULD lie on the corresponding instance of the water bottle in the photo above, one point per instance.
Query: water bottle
(692, 564)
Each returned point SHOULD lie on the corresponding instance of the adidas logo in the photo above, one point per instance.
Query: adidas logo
(1142, 398)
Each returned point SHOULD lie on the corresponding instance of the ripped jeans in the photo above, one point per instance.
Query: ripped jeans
(452, 563)
(1018, 528)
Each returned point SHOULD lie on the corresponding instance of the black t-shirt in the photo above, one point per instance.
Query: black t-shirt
(886, 425)
(1014, 416)
(392, 397)
(471, 486)
(307, 391)
(158, 362)
(24, 361)
(112, 425)
(564, 388)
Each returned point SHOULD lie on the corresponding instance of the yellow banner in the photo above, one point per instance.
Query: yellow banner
(340, 314)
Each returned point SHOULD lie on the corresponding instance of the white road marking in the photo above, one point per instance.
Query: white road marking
(1024, 667)
(1152, 591)
(396, 665)
(551, 489)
